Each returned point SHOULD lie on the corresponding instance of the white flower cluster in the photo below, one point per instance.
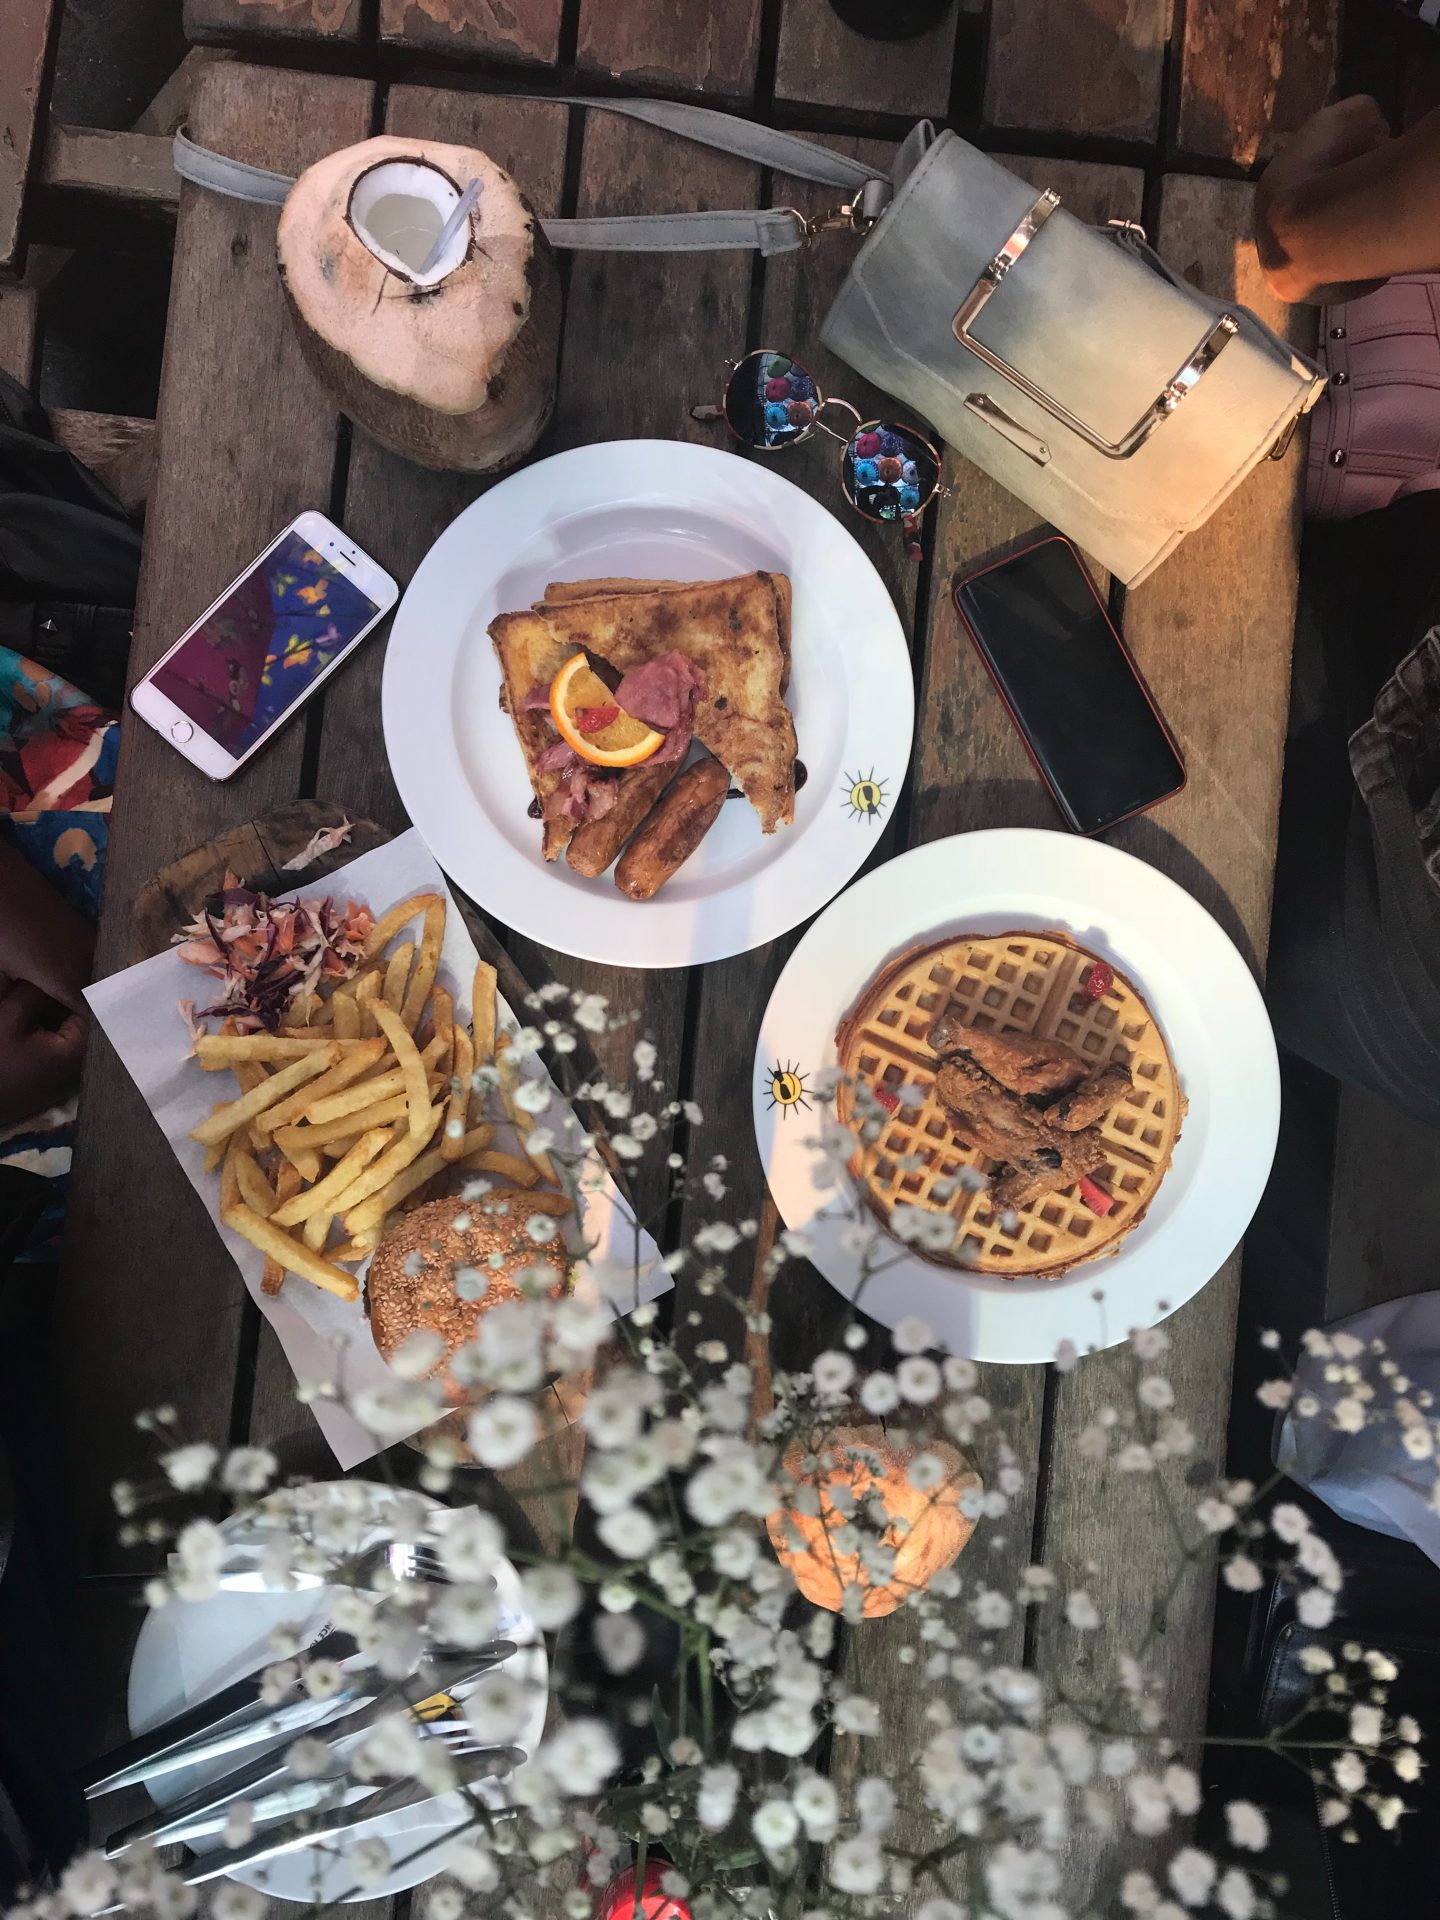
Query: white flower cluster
(757, 1765)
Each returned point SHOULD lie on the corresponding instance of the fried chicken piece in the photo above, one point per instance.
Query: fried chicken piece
(1091, 1100)
(1000, 1124)
(1023, 1062)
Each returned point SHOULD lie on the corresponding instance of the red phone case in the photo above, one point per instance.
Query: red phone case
(1059, 539)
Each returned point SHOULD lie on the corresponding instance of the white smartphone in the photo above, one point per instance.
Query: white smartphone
(263, 647)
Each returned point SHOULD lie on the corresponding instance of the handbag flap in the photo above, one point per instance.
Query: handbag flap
(1086, 320)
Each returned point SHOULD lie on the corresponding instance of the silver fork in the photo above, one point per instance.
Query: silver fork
(401, 1559)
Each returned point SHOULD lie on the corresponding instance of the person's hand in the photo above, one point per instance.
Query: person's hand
(43, 940)
(41, 1049)
(1294, 184)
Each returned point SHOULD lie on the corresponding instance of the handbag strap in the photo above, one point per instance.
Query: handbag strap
(766, 230)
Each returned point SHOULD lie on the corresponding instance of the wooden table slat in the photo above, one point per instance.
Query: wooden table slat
(27, 28)
(1093, 70)
(1212, 632)
(970, 771)
(684, 44)
(527, 30)
(822, 62)
(19, 332)
(281, 20)
(1251, 71)
(644, 335)
(247, 440)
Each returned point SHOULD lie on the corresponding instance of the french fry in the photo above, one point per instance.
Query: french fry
(367, 1217)
(304, 1160)
(343, 1126)
(238, 1113)
(389, 924)
(316, 1231)
(214, 1155)
(355, 1098)
(287, 1185)
(378, 1175)
(454, 1143)
(518, 1172)
(482, 1013)
(347, 1014)
(337, 1149)
(523, 1122)
(362, 1056)
(323, 1196)
(443, 1007)
(255, 1190)
(427, 960)
(224, 1048)
(355, 1249)
(397, 976)
(250, 1074)
(291, 1254)
(367, 991)
(229, 1180)
(412, 1066)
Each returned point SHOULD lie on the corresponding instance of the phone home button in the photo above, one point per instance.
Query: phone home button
(182, 731)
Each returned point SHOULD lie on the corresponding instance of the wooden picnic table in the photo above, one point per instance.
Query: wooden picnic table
(151, 1308)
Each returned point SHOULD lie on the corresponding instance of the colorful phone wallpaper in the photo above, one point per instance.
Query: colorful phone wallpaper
(265, 645)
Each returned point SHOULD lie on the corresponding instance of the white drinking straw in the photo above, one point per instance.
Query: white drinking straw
(459, 214)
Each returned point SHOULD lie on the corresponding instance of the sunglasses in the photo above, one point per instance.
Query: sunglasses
(890, 472)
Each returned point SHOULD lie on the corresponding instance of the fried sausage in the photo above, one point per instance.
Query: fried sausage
(595, 843)
(681, 819)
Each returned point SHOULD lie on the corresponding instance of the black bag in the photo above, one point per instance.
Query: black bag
(69, 557)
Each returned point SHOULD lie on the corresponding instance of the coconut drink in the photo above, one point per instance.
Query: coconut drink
(448, 361)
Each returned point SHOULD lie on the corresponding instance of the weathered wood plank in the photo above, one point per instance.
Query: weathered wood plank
(1052, 67)
(673, 43)
(1212, 632)
(970, 771)
(19, 332)
(27, 30)
(526, 30)
(140, 1251)
(117, 446)
(825, 63)
(396, 511)
(1251, 71)
(798, 290)
(231, 20)
(644, 336)
(124, 166)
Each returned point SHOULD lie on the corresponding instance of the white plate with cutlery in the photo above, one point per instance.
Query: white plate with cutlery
(188, 1650)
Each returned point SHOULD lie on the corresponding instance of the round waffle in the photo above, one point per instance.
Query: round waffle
(1010, 983)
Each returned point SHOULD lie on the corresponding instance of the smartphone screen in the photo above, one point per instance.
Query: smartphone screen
(1071, 686)
(258, 653)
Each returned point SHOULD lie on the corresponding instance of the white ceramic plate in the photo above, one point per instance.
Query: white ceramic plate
(1195, 983)
(654, 509)
(190, 1649)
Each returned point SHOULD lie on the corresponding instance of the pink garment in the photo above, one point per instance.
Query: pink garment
(1375, 434)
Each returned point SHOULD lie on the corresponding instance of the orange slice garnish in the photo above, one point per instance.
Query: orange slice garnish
(580, 706)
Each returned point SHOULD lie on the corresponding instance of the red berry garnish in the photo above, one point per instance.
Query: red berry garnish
(1099, 981)
(595, 719)
(890, 1101)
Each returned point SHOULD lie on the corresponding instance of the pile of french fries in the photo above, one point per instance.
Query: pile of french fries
(365, 1108)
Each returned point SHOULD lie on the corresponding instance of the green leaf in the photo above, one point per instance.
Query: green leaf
(664, 1727)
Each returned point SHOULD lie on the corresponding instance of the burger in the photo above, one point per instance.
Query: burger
(412, 1280)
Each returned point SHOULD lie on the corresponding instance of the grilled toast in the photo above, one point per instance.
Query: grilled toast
(732, 630)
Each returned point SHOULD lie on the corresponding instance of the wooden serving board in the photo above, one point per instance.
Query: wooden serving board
(255, 851)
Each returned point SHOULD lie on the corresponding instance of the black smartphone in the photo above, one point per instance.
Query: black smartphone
(1097, 738)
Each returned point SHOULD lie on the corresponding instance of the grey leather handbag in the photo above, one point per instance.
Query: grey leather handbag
(1066, 360)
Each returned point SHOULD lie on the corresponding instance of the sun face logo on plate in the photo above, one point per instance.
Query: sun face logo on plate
(785, 1088)
(864, 795)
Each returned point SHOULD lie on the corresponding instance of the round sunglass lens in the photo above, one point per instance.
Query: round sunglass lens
(890, 472)
(770, 401)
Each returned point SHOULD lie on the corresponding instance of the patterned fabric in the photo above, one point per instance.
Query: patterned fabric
(57, 771)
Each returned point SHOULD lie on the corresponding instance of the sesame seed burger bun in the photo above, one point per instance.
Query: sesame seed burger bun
(404, 1294)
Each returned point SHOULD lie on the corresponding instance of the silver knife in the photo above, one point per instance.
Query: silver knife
(205, 1808)
(234, 1717)
(329, 1825)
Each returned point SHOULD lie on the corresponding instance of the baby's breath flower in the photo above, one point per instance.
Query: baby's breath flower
(187, 1468)
(503, 1429)
(1081, 1612)
(1192, 1874)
